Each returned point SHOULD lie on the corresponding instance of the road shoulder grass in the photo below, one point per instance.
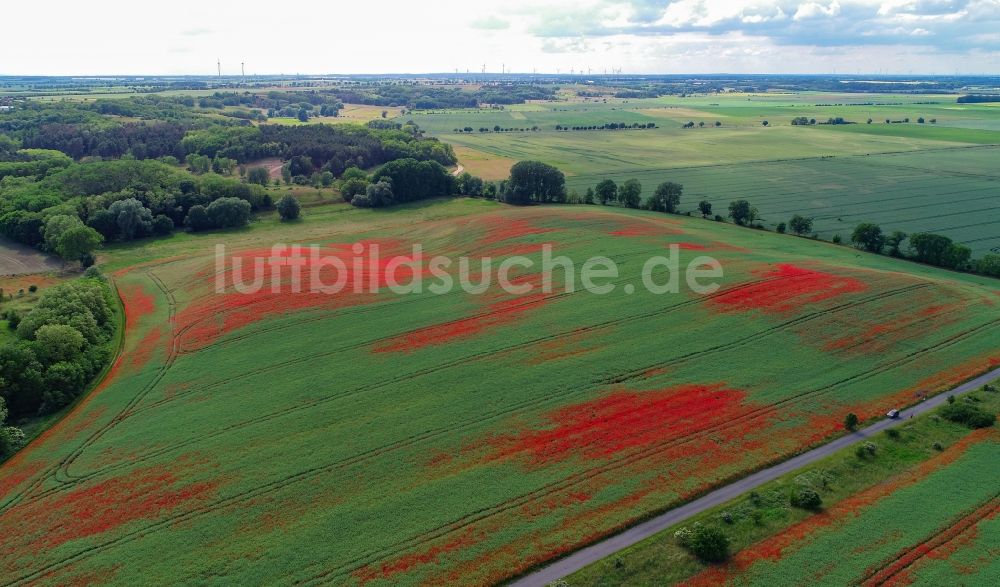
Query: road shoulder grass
(767, 512)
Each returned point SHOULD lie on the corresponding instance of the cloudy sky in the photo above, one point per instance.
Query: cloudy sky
(640, 36)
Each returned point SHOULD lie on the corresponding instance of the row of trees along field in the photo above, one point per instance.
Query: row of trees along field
(922, 247)
(59, 347)
(928, 248)
(534, 182)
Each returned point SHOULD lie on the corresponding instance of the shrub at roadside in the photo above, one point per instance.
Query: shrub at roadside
(968, 414)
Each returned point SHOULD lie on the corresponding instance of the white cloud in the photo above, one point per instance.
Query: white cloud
(815, 9)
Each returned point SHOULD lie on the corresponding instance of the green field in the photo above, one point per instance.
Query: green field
(421, 438)
(912, 177)
(938, 527)
(761, 525)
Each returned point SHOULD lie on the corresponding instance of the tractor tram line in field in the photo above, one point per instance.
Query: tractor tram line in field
(614, 464)
(59, 470)
(614, 380)
(61, 474)
(406, 377)
(174, 345)
(510, 504)
(282, 483)
(906, 559)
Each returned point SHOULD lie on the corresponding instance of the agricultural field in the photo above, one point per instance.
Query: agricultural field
(356, 113)
(762, 526)
(384, 438)
(952, 192)
(912, 177)
(18, 259)
(936, 525)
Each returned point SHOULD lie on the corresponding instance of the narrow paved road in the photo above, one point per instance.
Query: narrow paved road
(609, 546)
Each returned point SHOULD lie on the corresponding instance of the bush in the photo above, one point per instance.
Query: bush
(807, 498)
(800, 224)
(259, 176)
(892, 433)
(87, 260)
(968, 414)
(228, 212)
(197, 219)
(289, 208)
(851, 422)
(12, 318)
(705, 542)
(353, 187)
(379, 194)
(781, 228)
(866, 450)
(162, 225)
(132, 218)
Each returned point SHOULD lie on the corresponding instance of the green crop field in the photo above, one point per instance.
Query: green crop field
(935, 526)
(914, 177)
(953, 192)
(762, 526)
(425, 438)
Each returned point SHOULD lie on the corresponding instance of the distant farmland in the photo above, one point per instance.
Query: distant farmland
(939, 177)
(954, 192)
(407, 439)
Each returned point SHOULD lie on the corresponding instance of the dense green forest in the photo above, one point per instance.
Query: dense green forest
(76, 174)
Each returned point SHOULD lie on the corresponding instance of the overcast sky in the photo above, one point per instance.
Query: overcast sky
(680, 36)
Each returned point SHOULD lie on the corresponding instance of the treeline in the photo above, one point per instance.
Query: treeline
(324, 102)
(36, 163)
(407, 180)
(318, 147)
(83, 130)
(529, 182)
(59, 346)
(140, 140)
(923, 247)
(497, 128)
(665, 198)
(803, 121)
(425, 97)
(978, 98)
(70, 212)
(397, 182)
(513, 93)
(609, 126)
